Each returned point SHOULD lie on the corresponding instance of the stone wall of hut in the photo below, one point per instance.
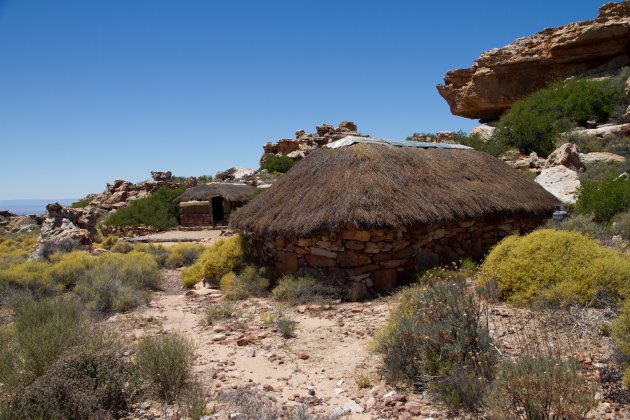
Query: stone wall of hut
(377, 260)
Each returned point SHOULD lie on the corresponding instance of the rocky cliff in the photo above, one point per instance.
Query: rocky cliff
(503, 75)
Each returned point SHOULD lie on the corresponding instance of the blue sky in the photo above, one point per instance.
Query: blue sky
(94, 90)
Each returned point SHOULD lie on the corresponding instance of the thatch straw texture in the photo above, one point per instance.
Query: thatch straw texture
(235, 193)
(379, 186)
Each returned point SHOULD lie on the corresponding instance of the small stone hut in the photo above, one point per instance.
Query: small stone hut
(212, 204)
(373, 212)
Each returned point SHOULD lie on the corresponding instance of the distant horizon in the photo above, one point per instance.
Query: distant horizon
(32, 205)
(97, 91)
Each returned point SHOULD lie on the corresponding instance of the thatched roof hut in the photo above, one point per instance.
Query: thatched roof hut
(212, 204)
(370, 183)
(236, 193)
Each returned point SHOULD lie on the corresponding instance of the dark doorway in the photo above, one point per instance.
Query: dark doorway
(217, 210)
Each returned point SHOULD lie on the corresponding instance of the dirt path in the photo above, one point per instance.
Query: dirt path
(320, 367)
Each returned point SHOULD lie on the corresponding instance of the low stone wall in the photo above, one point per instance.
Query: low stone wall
(199, 219)
(378, 260)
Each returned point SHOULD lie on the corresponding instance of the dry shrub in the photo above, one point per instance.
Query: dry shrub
(584, 224)
(621, 334)
(165, 360)
(122, 247)
(252, 404)
(183, 255)
(297, 290)
(250, 281)
(437, 338)
(218, 311)
(222, 257)
(158, 252)
(87, 385)
(539, 387)
(558, 267)
(621, 225)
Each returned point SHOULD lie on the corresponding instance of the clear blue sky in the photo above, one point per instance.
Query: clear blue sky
(93, 90)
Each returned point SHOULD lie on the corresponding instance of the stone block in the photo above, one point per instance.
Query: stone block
(356, 245)
(320, 261)
(362, 270)
(393, 263)
(323, 253)
(286, 262)
(349, 259)
(358, 291)
(356, 235)
(385, 279)
(372, 248)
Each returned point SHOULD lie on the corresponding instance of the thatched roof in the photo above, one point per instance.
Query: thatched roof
(235, 193)
(372, 185)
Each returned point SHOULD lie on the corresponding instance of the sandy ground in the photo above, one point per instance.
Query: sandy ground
(319, 368)
(173, 236)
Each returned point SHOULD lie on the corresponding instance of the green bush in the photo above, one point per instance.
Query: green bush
(82, 203)
(87, 385)
(437, 337)
(621, 225)
(539, 387)
(183, 255)
(558, 267)
(278, 164)
(533, 123)
(250, 281)
(296, 290)
(599, 172)
(156, 210)
(603, 199)
(66, 269)
(31, 275)
(166, 362)
(584, 224)
(109, 241)
(216, 261)
(621, 334)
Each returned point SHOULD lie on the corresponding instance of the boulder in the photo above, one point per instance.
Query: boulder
(65, 229)
(161, 175)
(503, 75)
(560, 181)
(594, 158)
(566, 155)
(605, 132)
(483, 132)
(233, 174)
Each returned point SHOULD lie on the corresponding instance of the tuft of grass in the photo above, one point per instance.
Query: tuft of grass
(82, 203)
(363, 380)
(165, 360)
(297, 290)
(218, 311)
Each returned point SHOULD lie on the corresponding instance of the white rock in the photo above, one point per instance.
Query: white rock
(339, 391)
(352, 407)
(483, 131)
(600, 157)
(389, 394)
(561, 182)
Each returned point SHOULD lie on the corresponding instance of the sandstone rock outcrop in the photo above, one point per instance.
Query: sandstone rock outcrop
(501, 76)
(234, 174)
(304, 142)
(561, 181)
(566, 155)
(65, 228)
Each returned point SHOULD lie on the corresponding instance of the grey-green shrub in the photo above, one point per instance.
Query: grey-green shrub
(166, 361)
(539, 387)
(297, 290)
(437, 337)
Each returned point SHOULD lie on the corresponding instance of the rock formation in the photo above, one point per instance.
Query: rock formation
(65, 228)
(304, 142)
(234, 174)
(503, 75)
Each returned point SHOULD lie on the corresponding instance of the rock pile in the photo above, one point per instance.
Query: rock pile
(304, 142)
(234, 174)
(503, 75)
